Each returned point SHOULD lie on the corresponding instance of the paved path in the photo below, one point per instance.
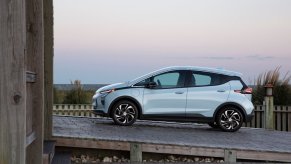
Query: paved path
(172, 133)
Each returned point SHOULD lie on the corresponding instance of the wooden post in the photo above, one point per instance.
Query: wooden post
(135, 152)
(229, 156)
(48, 67)
(269, 110)
(12, 82)
(35, 90)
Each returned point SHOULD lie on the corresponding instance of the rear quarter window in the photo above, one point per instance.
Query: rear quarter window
(207, 79)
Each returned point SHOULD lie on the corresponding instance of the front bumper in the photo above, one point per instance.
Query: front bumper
(99, 112)
(98, 104)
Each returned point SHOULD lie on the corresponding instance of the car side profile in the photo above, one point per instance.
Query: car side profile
(183, 94)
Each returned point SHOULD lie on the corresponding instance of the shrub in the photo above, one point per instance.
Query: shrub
(77, 95)
(281, 90)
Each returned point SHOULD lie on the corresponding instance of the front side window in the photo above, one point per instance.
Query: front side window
(168, 80)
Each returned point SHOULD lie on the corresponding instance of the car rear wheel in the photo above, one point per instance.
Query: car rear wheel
(124, 113)
(229, 119)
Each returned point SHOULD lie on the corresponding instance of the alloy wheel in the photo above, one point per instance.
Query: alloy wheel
(229, 119)
(125, 114)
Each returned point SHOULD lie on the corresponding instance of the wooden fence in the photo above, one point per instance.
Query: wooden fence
(282, 115)
(282, 118)
(81, 110)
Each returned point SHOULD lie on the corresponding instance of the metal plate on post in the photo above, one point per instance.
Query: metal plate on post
(30, 77)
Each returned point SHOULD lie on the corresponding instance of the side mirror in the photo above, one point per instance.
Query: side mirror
(151, 85)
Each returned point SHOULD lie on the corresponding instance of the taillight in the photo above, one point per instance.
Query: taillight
(247, 90)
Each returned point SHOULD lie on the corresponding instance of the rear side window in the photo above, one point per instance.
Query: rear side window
(201, 80)
(206, 79)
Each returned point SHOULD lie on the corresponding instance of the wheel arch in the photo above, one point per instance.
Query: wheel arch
(128, 98)
(233, 104)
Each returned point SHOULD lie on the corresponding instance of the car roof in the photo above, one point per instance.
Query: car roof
(204, 69)
(192, 68)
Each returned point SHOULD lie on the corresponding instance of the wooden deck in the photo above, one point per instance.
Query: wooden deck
(173, 138)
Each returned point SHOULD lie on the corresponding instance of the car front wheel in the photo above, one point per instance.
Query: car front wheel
(213, 125)
(124, 113)
(229, 119)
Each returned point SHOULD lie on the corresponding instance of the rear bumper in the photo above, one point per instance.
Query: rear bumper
(249, 117)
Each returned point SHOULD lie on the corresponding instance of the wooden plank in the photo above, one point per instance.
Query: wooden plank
(267, 156)
(289, 119)
(96, 144)
(183, 150)
(284, 118)
(12, 82)
(258, 120)
(175, 149)
(48, 67)
(35, 63)
(135, 152)
(278, 119)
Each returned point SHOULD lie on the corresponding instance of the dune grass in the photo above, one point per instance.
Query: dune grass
(281, 90)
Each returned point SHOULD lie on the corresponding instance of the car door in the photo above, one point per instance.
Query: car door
(168, 98)
(206, 92)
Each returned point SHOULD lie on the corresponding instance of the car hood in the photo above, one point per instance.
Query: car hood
(113, 86)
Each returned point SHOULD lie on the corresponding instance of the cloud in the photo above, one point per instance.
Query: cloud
(218, 57)
(260, 57)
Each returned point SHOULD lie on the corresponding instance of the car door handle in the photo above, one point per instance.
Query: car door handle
(221, 90)
(179, 92)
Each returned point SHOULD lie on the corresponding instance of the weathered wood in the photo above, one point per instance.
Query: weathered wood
(183, 150)
(258, 119)
(278, 119)
(267, 156)
(269, 112)
(12, 82)
(289, 118)
(35, 63)
(229, 156)
(110, 145)
(48, 67)
(135, 152)
(284, 118)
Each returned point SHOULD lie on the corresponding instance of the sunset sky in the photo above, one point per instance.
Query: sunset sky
(112, 41)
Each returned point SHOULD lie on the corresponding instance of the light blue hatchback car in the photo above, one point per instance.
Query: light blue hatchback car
(184, 94)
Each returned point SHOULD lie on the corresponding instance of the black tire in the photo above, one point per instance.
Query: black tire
(124, 113)
(229, 119)
(213, 125)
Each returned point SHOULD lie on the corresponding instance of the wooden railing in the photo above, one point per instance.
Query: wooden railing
(81, 110)
(282, 115)
(282, 118)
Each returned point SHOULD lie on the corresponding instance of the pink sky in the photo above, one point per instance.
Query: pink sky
(114, 41)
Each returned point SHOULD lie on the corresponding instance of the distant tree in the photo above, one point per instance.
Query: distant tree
(281, 90)
(77, 95)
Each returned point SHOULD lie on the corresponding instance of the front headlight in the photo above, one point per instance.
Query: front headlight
(107, 91)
